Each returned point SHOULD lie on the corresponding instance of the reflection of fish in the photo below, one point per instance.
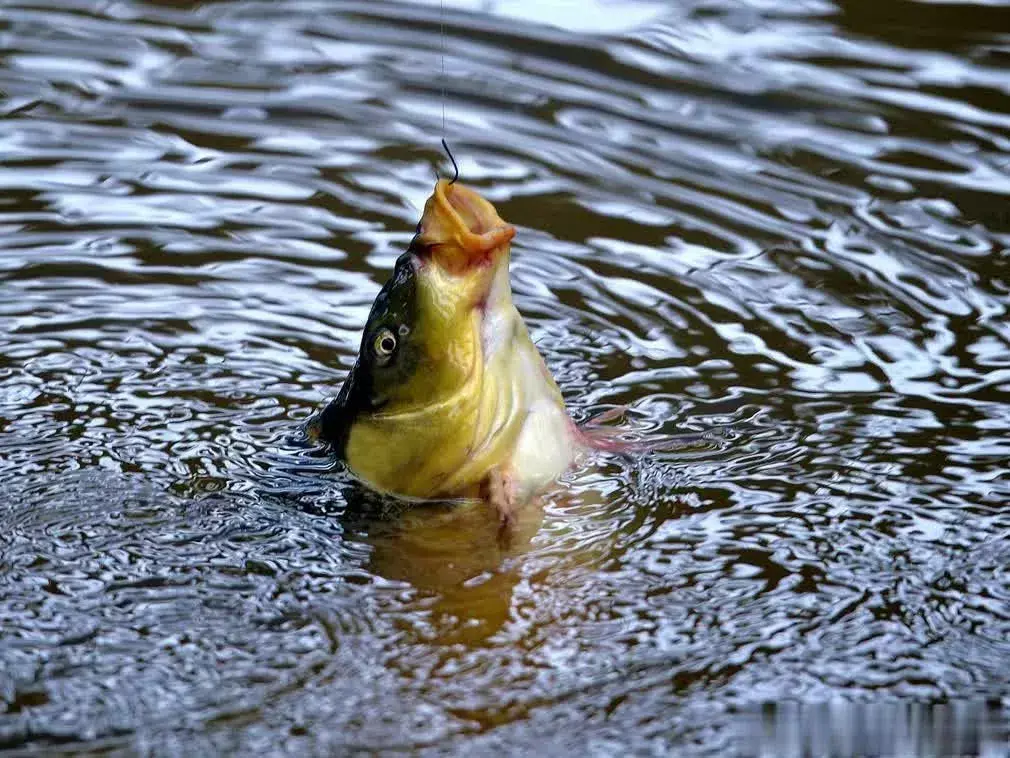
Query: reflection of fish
(449, 397)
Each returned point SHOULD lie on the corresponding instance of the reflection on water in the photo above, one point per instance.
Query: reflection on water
(779, 230)
(456, 555)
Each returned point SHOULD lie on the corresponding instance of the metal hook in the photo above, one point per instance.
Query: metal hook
(454, 166)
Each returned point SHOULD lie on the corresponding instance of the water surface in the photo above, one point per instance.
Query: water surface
(780, 226)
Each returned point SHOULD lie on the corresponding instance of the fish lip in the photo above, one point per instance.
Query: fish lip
(456, 200)
(460, 230)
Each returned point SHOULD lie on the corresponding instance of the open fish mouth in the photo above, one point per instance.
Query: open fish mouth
(460, 230)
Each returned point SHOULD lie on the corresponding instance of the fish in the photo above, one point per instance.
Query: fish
(449, 397)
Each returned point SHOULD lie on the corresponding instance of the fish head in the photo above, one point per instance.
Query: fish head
(422, 346)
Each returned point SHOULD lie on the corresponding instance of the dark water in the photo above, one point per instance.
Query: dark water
(782, 225)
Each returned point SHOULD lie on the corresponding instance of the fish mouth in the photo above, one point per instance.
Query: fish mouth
(461, 231)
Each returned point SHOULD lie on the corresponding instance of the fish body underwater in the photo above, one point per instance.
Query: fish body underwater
(449, 397)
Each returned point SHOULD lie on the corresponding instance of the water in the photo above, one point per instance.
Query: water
(781, 226)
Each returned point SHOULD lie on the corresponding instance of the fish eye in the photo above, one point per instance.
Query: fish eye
(384, 344)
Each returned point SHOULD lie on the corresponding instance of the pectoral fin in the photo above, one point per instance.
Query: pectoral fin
(498, 491)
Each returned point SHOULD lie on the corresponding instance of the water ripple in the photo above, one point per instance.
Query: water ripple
(777, 232)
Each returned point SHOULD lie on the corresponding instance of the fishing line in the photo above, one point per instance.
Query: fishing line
(441, 23)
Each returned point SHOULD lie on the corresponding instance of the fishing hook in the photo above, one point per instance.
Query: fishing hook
(454, 166)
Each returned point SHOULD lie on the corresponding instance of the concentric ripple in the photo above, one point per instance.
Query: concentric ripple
(776, 231)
